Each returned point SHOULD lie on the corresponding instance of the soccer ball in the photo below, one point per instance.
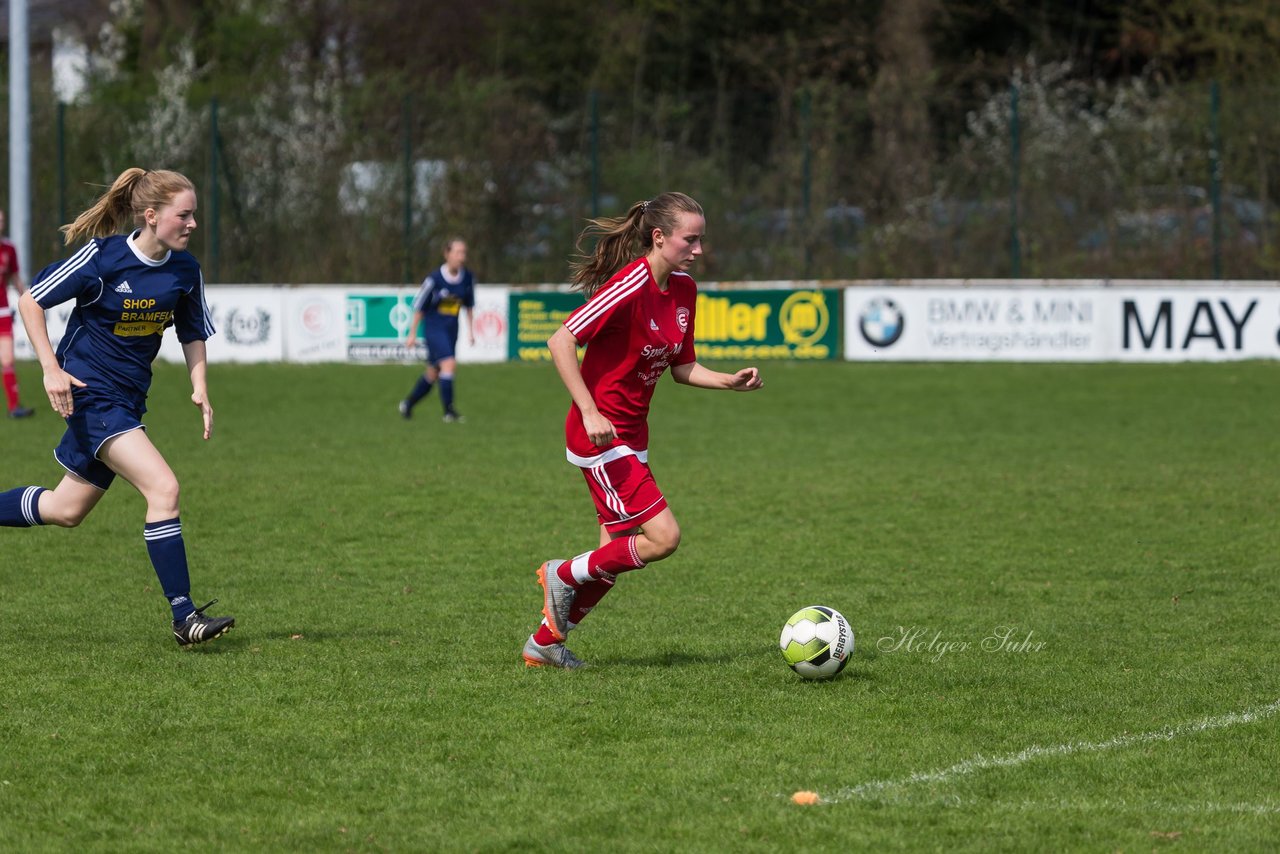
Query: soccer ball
(817, 642)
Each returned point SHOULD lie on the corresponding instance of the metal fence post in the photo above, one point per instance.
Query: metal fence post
(407, 144)
(1015, 152)
(213, 189)
(62, 164)
(595, 153)
(1215, 174)
(806, 185)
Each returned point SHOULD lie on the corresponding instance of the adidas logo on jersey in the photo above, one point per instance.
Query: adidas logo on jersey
(653, 324)
(123, 288)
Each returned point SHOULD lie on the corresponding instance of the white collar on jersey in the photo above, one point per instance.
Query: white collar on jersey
(142, 256)
(453, 280)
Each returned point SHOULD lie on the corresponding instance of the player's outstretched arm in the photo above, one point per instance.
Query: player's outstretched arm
(197, 365)
(564, 354)
(412, 334)
(57, 382)
(694, 374)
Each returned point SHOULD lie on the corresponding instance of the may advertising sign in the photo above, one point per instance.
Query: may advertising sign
(1213, 324)
(728, 324)
(1179, 322)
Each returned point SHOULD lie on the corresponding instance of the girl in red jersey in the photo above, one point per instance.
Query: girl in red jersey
(637, 322)
(9, 273)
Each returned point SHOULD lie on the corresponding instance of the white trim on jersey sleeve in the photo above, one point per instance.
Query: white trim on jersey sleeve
(420, 298)
(209, 331)
(184, 318)
(68, 268)
(603, 303)
(102, 287)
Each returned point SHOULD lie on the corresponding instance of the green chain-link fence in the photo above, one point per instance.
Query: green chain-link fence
(1048, 178)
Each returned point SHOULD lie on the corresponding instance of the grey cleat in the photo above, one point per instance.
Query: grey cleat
(551, 655)
(557, 598)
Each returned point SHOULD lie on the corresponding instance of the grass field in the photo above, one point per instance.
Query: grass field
(1114, 524)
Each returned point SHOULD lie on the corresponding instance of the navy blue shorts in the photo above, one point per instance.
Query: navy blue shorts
(440, 344)
(94, 421)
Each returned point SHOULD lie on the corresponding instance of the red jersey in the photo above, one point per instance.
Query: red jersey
(633, 331)
(8, 269)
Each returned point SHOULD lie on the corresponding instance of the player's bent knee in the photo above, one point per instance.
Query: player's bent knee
(665, 542)
(163, 497)
(63, 518)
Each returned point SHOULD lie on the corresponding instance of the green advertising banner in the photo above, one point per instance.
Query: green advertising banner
(376, 325)
(729, 324)
(533, 317)
(768, 324)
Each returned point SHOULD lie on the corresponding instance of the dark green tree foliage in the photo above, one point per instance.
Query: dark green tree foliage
(838, 138)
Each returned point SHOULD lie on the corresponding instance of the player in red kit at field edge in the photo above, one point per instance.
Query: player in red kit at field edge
(9, 273)
(637, 322)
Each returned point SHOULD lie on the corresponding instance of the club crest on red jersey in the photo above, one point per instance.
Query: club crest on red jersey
(682, 319)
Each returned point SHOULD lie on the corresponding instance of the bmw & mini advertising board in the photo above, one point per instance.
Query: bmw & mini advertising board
(1194, 321)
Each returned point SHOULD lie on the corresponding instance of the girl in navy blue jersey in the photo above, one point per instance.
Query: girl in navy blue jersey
(445, 294)
(127, 291)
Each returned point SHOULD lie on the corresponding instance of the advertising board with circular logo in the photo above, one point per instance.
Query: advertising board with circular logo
(804, 317)
(881, 322)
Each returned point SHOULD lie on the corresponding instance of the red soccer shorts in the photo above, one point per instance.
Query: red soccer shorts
(625, 493)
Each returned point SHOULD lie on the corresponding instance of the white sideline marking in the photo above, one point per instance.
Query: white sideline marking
(1121, 805)
(876, 789)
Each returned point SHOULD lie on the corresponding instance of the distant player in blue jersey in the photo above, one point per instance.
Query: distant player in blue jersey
(444, 294)
(127, 291)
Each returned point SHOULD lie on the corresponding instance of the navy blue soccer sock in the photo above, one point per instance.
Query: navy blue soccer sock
(420, 390)
(169, 557)
(446, 391)
(20, 508)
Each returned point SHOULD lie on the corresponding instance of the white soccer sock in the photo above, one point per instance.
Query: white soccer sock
(581, 568)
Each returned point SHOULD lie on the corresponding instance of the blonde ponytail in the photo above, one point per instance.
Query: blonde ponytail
(125, 203)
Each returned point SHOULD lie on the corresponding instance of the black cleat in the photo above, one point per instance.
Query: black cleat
(405, 411)
(197, 628)
(21, 412)
(453, 417)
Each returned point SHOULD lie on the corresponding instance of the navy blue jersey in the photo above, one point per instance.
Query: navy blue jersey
(442, 296)
(124, 302)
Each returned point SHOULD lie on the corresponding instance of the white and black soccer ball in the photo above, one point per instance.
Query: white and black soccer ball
(817, 642)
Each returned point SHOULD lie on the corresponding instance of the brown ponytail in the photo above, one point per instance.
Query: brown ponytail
(126, 202)
(622, 239)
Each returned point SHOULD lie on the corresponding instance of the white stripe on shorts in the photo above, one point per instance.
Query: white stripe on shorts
(617, 452)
